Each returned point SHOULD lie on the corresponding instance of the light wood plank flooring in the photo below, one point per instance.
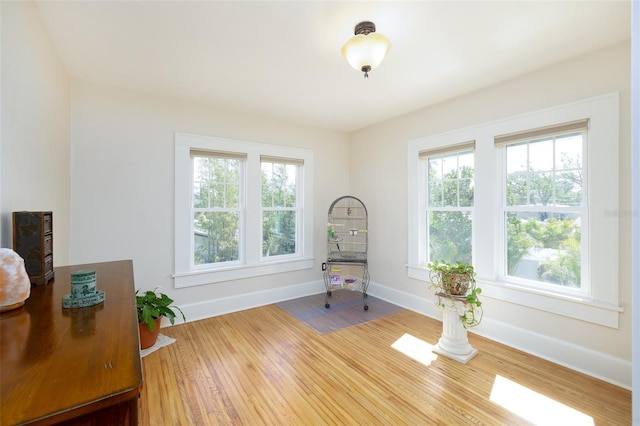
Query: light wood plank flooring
(264, 367)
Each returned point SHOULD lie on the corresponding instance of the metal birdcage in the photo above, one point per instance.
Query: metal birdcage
(347, 242)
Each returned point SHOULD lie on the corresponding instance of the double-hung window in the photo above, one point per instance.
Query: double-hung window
(280, 206)
(539, 192)
(217, 207)
(243, 209)
(543, 206)
(449, 202)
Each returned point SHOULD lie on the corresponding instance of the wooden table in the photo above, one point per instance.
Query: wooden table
(79, 366)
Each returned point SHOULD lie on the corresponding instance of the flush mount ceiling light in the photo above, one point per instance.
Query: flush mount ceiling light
(366, 49)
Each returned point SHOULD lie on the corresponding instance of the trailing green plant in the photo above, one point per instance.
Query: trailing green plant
(472, 315)
(457, 282)
(152, 305)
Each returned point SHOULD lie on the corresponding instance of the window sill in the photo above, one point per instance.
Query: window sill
(572, 307)
(211, 276)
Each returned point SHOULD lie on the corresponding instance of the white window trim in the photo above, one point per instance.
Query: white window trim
(297, 209)
(602, 305)
(253, 265)
(241, 211)
(584, 290)
(427, 208)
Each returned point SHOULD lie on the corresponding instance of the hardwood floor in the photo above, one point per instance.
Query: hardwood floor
(263, 366)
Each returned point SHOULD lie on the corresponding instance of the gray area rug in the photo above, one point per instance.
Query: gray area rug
(347, 310)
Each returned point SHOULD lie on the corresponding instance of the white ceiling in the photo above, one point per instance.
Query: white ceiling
(282, 59)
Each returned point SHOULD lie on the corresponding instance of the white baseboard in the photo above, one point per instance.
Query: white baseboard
(214, 307)
(600, 365)
(597, 364)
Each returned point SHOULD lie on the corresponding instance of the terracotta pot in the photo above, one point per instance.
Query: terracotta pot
(147, 337)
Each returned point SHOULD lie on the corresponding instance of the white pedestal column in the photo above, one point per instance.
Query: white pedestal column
(453, 343)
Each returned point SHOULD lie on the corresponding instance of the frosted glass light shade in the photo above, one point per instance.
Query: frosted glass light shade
(366, 50)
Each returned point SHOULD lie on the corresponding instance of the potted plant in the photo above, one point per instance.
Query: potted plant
(457, 282)
(151, 307)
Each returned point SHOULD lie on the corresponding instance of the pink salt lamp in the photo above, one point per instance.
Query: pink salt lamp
(15, 286)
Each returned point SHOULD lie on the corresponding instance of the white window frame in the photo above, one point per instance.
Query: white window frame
(584, 290)
(462, 148)
(252, 263)
(297, 208)
(240, 209)
(601, 305)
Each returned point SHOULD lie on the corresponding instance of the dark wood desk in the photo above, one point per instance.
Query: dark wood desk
(80, 366)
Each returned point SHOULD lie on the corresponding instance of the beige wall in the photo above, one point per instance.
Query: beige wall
(381, 151)
(34, 153)
(122, 182)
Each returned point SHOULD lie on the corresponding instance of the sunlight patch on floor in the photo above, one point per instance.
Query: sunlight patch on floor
(535, 407)
(415, 348)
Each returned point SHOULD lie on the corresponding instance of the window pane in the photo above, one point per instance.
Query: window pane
(541, 155)
(279, 191)
(290, 196)
(450, 180)
(450, 193)
(217, 193)
(278, 233)
(450, 166)
(434, 182)
(215, 182)
(569, 188)
(267, 194)
(541, 193)
(554, 174)
(232, 195)
(544, 246)
(569, 152)
(435, 168)
(279, 187)
(435, 193)
(201, 195)
(216, 237)
(465, 162)
(517, 158)
(466, 192)
(517, 193)
(278, 197)
(449, 236)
